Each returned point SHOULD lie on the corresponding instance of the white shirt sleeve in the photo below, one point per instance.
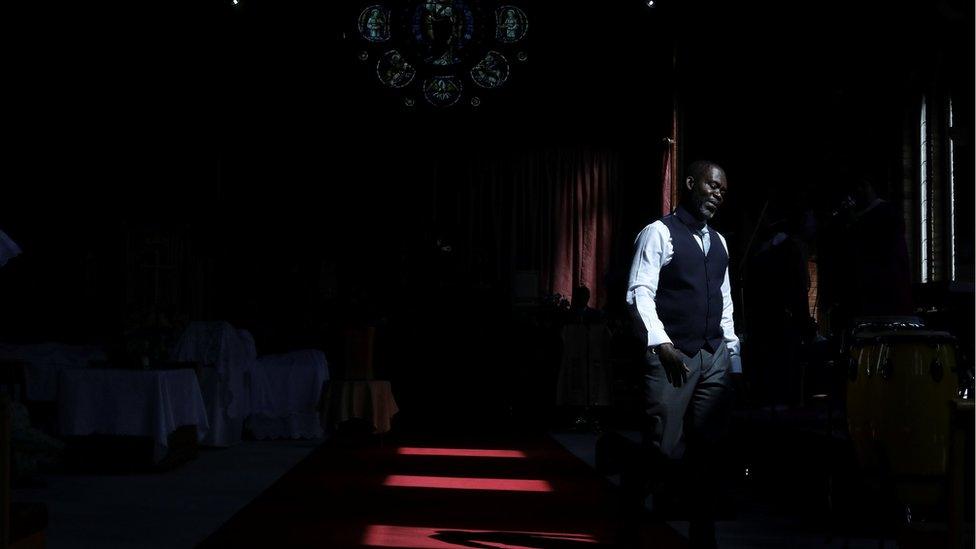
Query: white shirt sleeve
(652, 250)
(728, 325)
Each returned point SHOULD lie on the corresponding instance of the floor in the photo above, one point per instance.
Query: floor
(757, 525)
(795, 484)
(776, 504)
(439, 490)
(172, 509)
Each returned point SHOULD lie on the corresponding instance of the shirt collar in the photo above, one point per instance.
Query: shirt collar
(689, 219)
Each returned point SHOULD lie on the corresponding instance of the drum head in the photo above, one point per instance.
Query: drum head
(880, 323)
(919, 337)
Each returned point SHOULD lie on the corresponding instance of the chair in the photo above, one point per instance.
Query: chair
(296, 381)
(232, 388)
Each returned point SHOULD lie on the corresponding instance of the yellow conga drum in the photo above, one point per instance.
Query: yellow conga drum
(917, 380)
(864, 349)
(898, 407)
(862, 409)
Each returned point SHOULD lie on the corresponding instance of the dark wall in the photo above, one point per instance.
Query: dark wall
(258, 131)
(795, 95)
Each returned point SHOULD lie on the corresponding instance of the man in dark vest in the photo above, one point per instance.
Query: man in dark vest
(680, 297)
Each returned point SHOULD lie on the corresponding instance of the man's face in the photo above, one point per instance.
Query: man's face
(707, 191)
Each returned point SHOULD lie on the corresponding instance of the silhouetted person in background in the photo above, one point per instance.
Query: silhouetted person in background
(877, 255)
(579, 308)
(777, 310)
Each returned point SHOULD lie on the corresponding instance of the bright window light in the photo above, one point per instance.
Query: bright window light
(923, 191)
(952, 194)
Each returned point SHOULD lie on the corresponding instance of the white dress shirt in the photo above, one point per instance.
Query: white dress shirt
(654, 250)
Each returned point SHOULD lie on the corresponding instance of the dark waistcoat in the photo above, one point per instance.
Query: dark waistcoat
(689, 291)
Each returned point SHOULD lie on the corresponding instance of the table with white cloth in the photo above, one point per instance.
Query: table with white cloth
(45, 361)
(370, 400)
(295, 382)
(233, 387)
(140, 403)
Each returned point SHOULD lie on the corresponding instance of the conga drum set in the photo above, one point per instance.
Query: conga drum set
(901, 380)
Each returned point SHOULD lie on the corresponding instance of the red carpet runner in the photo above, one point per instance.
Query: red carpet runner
(433, 493)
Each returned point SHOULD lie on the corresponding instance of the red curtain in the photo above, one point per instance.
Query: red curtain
(549, 212)
(669, 168)
(585, 220)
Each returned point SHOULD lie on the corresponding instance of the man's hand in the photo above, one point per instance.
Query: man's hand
(673, 363)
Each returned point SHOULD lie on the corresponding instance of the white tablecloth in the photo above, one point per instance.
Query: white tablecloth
(130, 402)
(232, 352)
(295, 381)
(45, 361)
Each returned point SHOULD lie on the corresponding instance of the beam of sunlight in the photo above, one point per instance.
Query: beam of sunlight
(461, 452)
(467, 483)
(413, 537)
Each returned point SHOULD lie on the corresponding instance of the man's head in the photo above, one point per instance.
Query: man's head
(581, 297)
(705, 188)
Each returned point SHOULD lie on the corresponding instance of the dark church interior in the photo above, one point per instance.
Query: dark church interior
(359, 273)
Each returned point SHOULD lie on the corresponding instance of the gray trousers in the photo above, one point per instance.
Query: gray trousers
(682, 429)
(693, 417)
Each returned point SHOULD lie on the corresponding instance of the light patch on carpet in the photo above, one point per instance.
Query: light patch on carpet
(468, 483)
(412, 537)
(461, 452)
